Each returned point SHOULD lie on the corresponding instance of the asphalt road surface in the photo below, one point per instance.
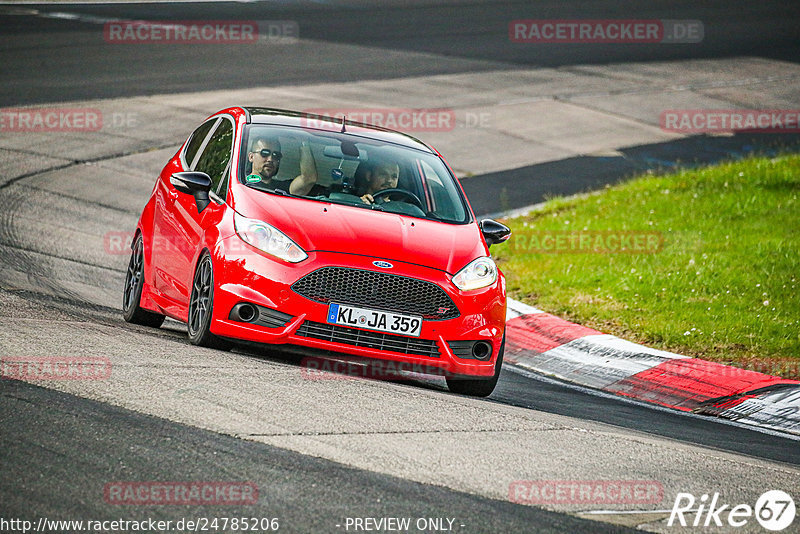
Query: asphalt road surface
(58, 467)
(56, 59)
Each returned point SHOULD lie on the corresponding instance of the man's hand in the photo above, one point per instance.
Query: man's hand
(369, 199)
(303, 183)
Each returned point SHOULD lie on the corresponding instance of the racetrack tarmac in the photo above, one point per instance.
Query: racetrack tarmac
(59, 467)
(346, 41)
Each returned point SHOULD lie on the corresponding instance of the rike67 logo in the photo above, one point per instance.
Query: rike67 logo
(774, 510)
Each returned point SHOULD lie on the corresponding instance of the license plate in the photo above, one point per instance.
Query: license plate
(382, 321)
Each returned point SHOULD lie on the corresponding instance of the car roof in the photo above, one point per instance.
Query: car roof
(284, 117)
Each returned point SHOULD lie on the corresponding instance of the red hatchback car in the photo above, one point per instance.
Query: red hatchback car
(280, 227)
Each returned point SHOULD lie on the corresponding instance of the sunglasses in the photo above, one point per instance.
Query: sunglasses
(265, 153)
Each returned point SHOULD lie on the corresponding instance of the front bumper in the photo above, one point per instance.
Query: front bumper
(243, 274)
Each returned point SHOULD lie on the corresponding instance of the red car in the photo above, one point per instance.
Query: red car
(279, 227)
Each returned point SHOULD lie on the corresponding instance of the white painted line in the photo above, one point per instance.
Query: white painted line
(112, 2)
(618, 512)
(264, 26)
(777, 409)
(596, 360)
(516, 308)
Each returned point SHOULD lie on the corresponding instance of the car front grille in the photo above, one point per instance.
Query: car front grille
(372, 289)
(369, 339)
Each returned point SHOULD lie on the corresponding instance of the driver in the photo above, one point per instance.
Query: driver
(265, 155)
(376, 175)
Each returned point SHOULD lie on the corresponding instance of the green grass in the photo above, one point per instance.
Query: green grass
(723, 285)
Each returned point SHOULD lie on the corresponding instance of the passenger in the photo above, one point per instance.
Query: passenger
(375, 175)
(265, 155)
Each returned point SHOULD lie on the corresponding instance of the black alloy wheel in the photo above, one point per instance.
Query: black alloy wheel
(201, 305)
(132, 293)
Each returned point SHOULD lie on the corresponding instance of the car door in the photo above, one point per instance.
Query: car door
(179, 224)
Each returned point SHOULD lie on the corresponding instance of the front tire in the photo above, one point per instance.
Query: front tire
(477, 387)
(132, 312)
(201, 305)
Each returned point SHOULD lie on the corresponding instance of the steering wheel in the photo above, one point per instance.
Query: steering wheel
(407, 196)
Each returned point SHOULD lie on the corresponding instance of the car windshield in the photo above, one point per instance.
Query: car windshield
(350, 169)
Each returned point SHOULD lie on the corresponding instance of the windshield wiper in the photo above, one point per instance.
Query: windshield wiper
(281, 192)
(432, 215)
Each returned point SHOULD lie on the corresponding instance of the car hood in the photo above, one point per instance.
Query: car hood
(322, 226)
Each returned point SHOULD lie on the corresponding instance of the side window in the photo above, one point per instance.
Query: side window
(443, 195)
(215, 157)
(196, 141)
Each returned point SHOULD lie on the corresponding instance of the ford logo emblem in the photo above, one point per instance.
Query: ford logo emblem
(382, 264)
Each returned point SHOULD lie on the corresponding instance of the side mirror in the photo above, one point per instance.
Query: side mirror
(197, 184)
(494, 232)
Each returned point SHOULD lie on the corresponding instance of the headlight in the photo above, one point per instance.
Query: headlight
(478, 273)
(267, 238)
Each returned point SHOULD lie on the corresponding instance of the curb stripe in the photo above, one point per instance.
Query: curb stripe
(686, 383)
(776, 409)
(549, 345)
(541, 332)
(597, 361)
